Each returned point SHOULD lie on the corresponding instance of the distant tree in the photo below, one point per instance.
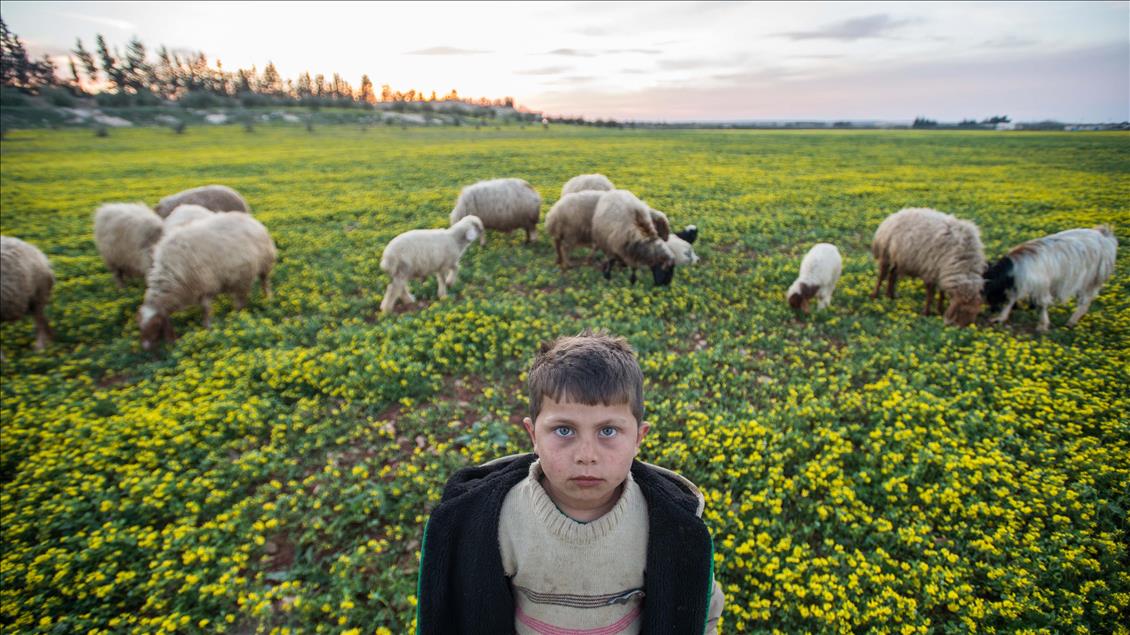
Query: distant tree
(922, 122)
(115, 75)
(304, 86)
(320, 88)
(365, 92)
(137, 71)
(245, 81)
(994, 120)
(452, 96)
(14, 64)
(87, 61)
(271, 83)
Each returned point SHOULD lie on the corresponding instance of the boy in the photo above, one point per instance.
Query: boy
(577, 537)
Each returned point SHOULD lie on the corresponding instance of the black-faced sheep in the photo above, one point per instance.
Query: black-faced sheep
(569, 223)
(500, 204)
(583, 182)
(1052, 270)
(819, 273)
(218, 198)
(185, 214)
(26, 281)
(223, 253)
(944, 251)
(633, 234)
(419, 253)
(125, 234)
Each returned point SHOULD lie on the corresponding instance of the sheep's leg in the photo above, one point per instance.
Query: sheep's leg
(606, 269)
(531, 234)
(405, 294)
(632, 278)
(941, 301)
(392, 294)
(561, 260)
(441, 288)
(894, 278)
(1003, 317)
(206, 302)
(451, 274)
(1082, 305)
(1045, 322)
(884, 269)
(265, 282)
(929, 298)
(43, 332)
(239, 299)
(825, 298)
(119, 279)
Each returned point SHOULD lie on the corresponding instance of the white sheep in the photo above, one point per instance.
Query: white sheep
(583, 182)
(26, 281)
(218, 198)
(633, 234)
(125, 234)
(185, 214)
(419, 253)
(569, 222)
(501, 204)
(223, 253)
(819, 272)
(1052, 270)
(682, 245)
(944, 251)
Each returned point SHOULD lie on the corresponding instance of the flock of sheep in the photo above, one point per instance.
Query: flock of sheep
(203, 242)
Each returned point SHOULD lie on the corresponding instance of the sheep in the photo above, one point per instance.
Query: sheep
(819, 273)
(1053, 269)
(125, 234)
(944, 251)
(26, 281)
(501, 204)
(569, 222)
(681, 244)
(419, 253)
(223, 253)
(218, 198)
(185, 214)
(583, 182)
(633, 234)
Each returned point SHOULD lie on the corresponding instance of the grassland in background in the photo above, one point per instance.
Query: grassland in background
(864, 468)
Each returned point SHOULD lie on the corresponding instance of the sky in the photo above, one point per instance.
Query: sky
(659, 61)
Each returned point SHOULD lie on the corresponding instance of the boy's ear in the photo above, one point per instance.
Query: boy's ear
(529, 425)
(641, 432)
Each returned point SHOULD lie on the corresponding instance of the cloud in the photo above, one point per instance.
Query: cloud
(546, 70)
(1008, 42)
(685, 64)
(124, 25)
(870, 26)
(594, 31)
(572, 53)
(446, 50)
(640, 51)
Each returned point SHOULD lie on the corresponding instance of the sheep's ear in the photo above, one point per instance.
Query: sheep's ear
(689, 234)
(472, 233)
(661, 226)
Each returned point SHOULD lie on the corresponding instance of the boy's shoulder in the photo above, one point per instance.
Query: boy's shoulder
(502, 473)
(662, 486)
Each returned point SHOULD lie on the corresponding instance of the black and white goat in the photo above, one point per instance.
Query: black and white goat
(1052, 270)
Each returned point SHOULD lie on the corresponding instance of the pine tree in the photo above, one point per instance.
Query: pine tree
(114, 75)
(87, 61)
(137, 71)
(271, 84)
(365, 93)
(14, 64)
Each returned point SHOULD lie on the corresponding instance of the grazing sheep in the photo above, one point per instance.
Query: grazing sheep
(1052, 270)
(185, 214)
(569, 222)
(501, 204)
(125, 234)
(819, 273)
(419, 253)
(26, 281)
(629, 232)
(681, 244)
(944, 251)
(223, 253)
(218, 198)
(583, 182)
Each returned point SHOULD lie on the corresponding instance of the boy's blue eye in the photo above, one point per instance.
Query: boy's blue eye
(608, 432)
(563, 431)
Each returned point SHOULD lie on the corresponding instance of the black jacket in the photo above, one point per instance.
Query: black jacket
(463, 588)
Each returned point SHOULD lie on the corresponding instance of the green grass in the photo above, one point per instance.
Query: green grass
(865, 467)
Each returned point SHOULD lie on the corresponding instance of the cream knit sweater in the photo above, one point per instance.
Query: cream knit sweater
(573, 577)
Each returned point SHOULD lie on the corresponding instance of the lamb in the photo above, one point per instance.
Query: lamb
(419, 253)
(501, 204)
(223, 253)
(583, 182)
(26, 281)
(633, 234)
(1053, 269)
(569, 222)
(185, 214)
(218, 198)
(819, 273)
(125, 234)
(944, 251)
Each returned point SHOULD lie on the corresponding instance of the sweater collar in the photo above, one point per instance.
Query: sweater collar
(564, 527)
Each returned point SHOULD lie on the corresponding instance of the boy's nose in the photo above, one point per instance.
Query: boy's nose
(586, 454)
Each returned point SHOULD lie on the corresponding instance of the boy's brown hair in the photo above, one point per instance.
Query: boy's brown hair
(590, 368)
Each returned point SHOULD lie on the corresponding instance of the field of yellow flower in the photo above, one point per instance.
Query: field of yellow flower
(865, 468)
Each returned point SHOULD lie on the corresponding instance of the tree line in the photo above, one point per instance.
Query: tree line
(135, 78)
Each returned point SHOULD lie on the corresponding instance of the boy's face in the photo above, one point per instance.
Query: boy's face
(586, 453)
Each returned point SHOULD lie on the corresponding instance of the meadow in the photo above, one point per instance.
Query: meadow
(865, 468)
